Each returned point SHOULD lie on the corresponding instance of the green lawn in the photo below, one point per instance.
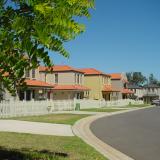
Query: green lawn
(53, 118)
(102, 110)
(15, 146)
(139, 105)
(114, 109)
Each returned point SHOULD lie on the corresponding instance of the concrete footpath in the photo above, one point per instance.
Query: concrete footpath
(82, 130)
(35, 128)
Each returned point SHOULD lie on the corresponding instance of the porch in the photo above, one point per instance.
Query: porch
(147, 98)
(109, 93)
(64, 92)
(126, 93)
(34, 94)
(36, 90)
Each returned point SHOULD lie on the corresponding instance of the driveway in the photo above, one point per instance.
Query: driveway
(136, 134)
(35, 128)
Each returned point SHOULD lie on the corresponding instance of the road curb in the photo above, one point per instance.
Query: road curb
(82, 130)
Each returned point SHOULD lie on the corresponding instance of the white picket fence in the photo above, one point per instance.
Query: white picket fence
(122, 102)
(25, 108)
(85, 104)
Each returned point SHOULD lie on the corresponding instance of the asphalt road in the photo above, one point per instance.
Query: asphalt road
(136, 134)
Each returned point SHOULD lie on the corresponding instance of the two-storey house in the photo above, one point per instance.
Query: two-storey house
(151, 92)
(68, 82)
(120, 82)
(138, 91)
(35, 89)
(100, 84)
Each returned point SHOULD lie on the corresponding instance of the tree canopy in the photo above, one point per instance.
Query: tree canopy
(153, 80)
(136, 78)
(29, 29)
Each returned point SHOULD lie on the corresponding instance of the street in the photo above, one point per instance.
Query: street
(136, 134)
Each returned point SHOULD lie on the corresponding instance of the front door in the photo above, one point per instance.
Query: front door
(28, 95)
(21, 95)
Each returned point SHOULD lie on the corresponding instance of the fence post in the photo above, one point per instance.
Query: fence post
(74, 103)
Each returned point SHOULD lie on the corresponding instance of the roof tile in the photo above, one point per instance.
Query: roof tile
(37, 83)
(92, 71)
(60, 68)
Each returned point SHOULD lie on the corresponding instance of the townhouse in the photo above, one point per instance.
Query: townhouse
(151, 92)
(68, 82)
(138, 91)
(65, 82)
(120, 82)
(100, 85)
(36, 88)
(147, 93)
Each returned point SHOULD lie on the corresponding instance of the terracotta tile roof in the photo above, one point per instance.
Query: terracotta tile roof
(109, 88)
(92, 71)
(70, 87)
(127, 91)
(60, 68)
(37, 83)
(116, 76)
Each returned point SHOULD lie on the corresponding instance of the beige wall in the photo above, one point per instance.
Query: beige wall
(64, 95)
(64, 78)
(119, 85)
(96, 84)
(61, 95)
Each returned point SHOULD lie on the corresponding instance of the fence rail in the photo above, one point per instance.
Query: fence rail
(26, 108)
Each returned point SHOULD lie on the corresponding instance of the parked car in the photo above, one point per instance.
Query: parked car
(156, 102)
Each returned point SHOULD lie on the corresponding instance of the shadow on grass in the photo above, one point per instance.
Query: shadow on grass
(26, 154)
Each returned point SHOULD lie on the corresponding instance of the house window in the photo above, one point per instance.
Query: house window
(75, 78)
(78, 79)
(27, 73)
(56, 78)
(33, 73)
(78, 96)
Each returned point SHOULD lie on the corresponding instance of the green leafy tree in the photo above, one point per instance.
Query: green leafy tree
(136, 78)
(152, 79)
(29, 29)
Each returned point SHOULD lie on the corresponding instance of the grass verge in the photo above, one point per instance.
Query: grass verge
(137, 105)
(102, 110)
(38, 147)
(114, 108)
(53, 118)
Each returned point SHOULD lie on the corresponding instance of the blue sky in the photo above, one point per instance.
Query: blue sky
(121, 36)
